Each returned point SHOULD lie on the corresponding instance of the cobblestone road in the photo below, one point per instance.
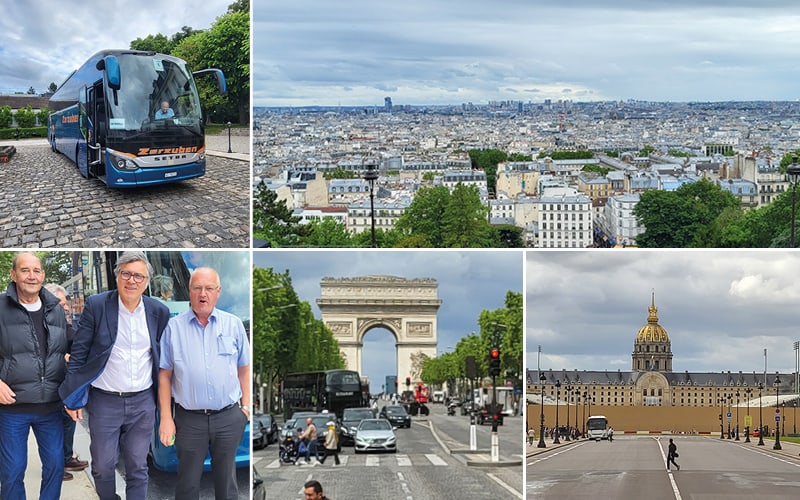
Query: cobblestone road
(46, 203)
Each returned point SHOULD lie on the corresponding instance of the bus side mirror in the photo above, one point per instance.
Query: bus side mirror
(112, 72)
(218, 74)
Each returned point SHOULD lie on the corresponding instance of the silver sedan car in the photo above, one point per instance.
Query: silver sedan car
(375, 434)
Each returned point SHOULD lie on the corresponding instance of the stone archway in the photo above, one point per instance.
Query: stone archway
(351, 307)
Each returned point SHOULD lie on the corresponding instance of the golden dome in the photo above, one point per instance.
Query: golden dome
(652, 331)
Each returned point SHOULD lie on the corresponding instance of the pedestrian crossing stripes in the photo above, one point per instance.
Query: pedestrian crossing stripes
(371, 460)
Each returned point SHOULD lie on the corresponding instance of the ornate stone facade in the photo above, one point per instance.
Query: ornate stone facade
(351, 307)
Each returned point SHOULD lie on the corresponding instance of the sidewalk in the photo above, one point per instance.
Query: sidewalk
(80, 487)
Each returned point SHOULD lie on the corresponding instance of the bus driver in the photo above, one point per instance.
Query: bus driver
(165, 111)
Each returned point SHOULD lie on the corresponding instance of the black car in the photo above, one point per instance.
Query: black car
(350, 420)
(396, 415)
(269, 429)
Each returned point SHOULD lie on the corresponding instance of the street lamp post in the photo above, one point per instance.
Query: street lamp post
(747, 391)
(568, 392)
(542, 444)
(556, 432)
(229, 138)
(730, 397)
(760, 420)
(721, 401)
(737, 414)
(578, 393)
(371, 175)
(777, 409)
(583, 414)
(793, 172)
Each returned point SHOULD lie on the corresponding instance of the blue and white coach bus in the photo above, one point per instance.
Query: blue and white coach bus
(107, 117)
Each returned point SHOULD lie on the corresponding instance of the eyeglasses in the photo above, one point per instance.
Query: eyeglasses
(137, 277)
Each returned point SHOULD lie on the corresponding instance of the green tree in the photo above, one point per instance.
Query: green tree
(681, 218)
(153, 43)
(225, 46)
(464, 222)
(327, 233)
(26, 117)
(273, 221)
(507, 236)
(428, 176)
(42, 116)
(6, 117)
(424, 217)
(52, 87)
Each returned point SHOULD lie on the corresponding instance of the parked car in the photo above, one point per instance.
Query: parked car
(375, 434)
(257, 436)
(396, 415)
(269, 428)
(351, 417)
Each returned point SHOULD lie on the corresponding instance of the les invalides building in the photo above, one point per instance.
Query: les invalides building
(651, 397)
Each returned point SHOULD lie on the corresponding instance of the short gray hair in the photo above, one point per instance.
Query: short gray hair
(55, 289)
(133, 256)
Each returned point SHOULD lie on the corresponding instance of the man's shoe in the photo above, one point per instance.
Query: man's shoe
(75, 464)
(679, 467)
(67, 476)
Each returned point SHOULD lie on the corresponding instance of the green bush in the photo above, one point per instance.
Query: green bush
(5, 117)
(24, 133)
(26, 118)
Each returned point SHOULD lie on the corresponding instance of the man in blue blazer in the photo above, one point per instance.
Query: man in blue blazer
(113, 373)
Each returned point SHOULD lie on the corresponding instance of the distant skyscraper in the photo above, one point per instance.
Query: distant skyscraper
(387, 104)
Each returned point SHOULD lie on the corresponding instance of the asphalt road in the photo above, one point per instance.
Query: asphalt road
(45, 203)
(635, 467)
(420, 470)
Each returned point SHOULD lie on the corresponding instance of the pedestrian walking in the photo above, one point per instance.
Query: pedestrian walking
(672, 454)
(331, 444)
(531, 436)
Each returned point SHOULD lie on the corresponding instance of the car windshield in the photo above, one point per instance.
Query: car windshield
(374, 425)
(357, 414)
(395, 410)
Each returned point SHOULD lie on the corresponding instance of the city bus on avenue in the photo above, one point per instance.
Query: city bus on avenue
(597, 427)
(131, 118)
(331, 390)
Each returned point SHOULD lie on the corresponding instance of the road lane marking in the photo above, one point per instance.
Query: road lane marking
(536, 459)
(505, 486)
(773, 456)
(372, 461)
(435, 459)
(403, 461)
(404, 486)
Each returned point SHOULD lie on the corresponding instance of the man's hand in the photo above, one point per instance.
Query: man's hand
(7, 396)
(166, 431)
(76, 415)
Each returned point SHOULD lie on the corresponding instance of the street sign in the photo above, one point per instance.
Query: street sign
(748, 421)
(729, 415)
(777, 410)
(777, 418)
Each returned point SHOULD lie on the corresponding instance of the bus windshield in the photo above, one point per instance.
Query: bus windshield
(146, 84)
(343, 381)
(596, 423)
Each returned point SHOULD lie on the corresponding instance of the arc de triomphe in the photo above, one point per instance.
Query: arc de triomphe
(351, 307)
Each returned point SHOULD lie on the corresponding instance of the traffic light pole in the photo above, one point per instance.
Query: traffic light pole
(494, 368)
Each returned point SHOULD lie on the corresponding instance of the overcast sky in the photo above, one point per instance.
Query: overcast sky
(43, 41)
(317, 52)
(469, 282)
(720, 309)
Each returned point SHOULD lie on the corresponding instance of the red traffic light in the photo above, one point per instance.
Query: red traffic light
(495, 354)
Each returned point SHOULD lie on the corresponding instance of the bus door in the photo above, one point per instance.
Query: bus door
(88, 125)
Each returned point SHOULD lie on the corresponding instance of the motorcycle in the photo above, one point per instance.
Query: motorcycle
(451, 409)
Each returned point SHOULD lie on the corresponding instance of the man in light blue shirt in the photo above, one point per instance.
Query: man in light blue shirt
(165, 111)
(205, 367)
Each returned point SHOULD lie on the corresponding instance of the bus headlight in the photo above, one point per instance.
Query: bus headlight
(122, 163)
